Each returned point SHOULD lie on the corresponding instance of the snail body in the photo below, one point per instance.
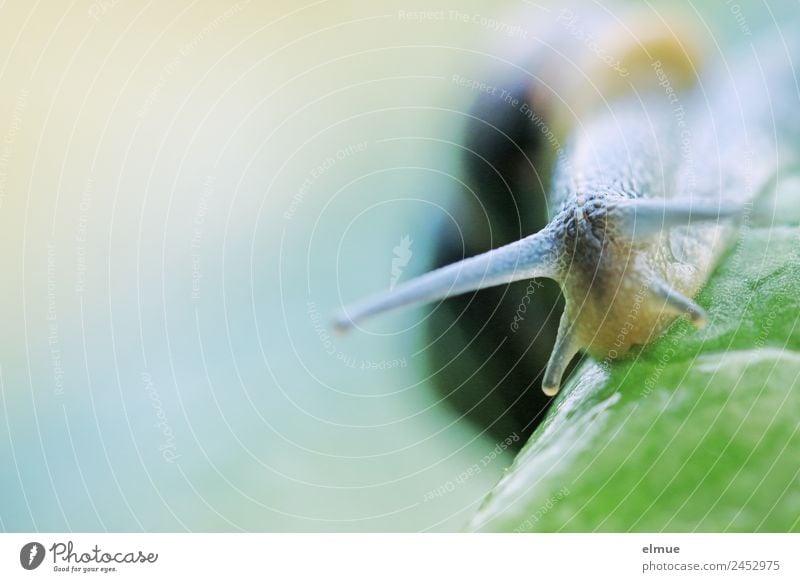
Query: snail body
(638, 225)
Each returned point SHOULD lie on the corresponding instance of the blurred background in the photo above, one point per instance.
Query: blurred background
(188, 192)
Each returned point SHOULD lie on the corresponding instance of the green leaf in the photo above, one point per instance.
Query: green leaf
(698, 432)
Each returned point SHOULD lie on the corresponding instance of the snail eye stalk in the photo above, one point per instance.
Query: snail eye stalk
(640, 219)
(533, 256)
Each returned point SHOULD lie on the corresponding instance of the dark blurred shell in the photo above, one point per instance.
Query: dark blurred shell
(487, 369)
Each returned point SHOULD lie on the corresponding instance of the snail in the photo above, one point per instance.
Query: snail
(486, 352)
(642, 212)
